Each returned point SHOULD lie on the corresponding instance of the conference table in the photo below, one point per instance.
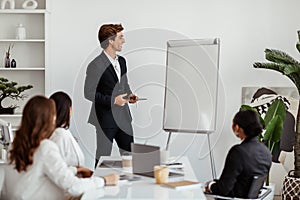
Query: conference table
(144, 187)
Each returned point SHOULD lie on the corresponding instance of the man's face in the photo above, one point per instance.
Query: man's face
(118, 42)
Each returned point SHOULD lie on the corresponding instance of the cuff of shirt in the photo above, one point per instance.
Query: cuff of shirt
(73, 170)
(99, 182)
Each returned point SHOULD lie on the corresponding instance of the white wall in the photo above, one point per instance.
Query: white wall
(245, 28)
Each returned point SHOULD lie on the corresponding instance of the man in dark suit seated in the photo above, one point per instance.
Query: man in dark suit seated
(106, 85)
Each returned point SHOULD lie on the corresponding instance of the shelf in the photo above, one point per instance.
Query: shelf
(23, 11)
(11, 116)
(26, 40)
(31, 54)
(23, 69)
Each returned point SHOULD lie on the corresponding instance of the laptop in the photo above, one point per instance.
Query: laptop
(144, 158)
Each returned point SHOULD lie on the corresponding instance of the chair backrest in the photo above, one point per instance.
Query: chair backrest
(256, 185)
(1, 178)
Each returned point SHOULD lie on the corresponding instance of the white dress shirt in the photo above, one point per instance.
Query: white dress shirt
(115, 63)
(68, 147)
(48, 177)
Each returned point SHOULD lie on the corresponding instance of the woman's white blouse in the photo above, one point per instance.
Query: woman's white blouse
(48, 177)
(68, 147)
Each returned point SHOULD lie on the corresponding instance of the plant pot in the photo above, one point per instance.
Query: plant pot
(7, 110)
(291, 187)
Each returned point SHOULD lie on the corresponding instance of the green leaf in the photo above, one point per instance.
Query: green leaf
(276, 108)
(11, 91)
(2, 79)
(247, 107)
(274, 130)
(279, 57)
(289, 69)
(273, 66)
(274, 120)
(2, 86)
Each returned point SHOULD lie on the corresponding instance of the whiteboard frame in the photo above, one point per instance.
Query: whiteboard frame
(193, 42)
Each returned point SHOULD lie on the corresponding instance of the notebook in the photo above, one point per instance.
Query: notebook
(180, 185)
(111, 164)
(144, 158)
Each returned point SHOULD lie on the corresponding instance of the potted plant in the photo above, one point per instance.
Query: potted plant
(11, 90)
(288, 66)
(272, 123)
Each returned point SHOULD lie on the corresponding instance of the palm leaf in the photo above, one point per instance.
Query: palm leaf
(289, 69)
(295, 77)
(273, 66)
(279, 57)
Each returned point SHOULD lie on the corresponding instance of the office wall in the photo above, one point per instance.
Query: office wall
(245, 28)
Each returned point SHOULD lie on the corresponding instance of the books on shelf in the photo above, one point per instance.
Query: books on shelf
(182, 185)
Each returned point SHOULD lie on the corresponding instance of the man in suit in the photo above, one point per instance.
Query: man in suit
(106, 85)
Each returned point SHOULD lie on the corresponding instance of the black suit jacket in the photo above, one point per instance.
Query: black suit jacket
(101, 87)
(243, 162)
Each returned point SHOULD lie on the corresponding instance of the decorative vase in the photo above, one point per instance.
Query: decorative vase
(20, 32)
(29, 4)
(10, 2)
(13, 63)
(7, 61)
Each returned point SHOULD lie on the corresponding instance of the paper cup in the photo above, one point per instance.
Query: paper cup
(126, 161)
(161, 174)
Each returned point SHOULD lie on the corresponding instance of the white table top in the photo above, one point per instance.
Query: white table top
(145, 188)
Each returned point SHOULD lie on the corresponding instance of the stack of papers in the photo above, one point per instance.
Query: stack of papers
(180, 185)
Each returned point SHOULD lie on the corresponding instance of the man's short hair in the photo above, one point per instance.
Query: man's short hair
(108, 32)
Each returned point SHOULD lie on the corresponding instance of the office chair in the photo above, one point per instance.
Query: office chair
(1, 178)
(256, 191)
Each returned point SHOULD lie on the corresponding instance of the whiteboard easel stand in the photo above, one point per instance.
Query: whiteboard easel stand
(211, 156)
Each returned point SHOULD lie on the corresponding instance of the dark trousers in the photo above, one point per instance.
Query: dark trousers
(105, 140)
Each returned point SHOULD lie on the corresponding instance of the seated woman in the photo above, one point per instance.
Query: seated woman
(36, 169)
(244, 161)
(62, 136)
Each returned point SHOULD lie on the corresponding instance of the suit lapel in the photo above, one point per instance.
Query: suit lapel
(122, 66)
(109, 66)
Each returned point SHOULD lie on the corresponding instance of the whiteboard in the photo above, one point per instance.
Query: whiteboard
(191, 85)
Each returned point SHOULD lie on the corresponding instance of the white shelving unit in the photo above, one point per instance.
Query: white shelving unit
(30, 53)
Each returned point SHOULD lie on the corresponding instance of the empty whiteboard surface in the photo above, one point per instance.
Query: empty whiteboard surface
(191, 85)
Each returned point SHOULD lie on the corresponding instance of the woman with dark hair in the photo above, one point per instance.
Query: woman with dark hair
(62, 136)
(36, 169)
(244, 161)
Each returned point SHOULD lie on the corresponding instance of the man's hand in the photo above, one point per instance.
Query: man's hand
(111, 179)
(120, 101)
(84, 172)
(133, 98)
